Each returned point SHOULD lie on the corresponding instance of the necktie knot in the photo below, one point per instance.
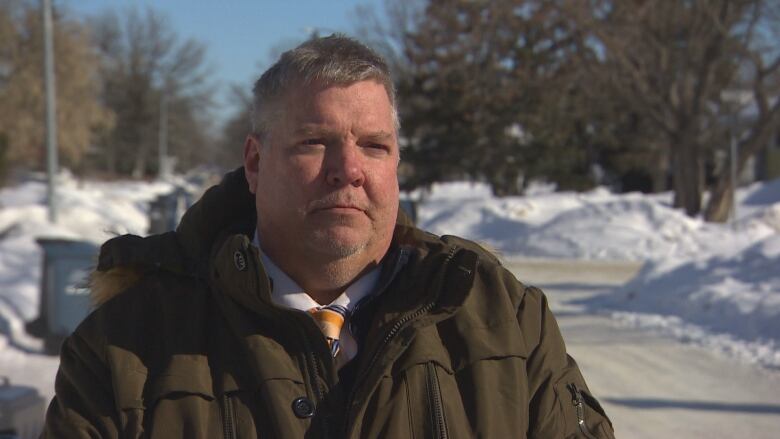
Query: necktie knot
(330, 320)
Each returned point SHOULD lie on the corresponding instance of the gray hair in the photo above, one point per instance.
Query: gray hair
(329, 61)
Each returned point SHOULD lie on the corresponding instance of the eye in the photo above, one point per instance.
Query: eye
(309, 146)
(376, 149)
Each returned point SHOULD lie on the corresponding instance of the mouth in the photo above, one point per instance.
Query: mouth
(338, 204)
(339, 208)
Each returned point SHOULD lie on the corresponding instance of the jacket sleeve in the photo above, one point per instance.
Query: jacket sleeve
(83, 405)
(561, 405)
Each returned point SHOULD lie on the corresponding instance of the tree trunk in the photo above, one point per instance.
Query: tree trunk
(762, 132)
(660, 171)
(719, 206)
(686, 177)
(139, 168)
(111, 157)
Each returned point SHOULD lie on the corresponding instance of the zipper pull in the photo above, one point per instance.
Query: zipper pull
(576, 400)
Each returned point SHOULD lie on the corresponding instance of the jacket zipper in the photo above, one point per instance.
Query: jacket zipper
(228, 417)
(579, 404)
(397, 326)
(434, 398)
(398, 263)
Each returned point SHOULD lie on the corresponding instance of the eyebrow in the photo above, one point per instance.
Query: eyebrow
(377, 136)
(308, 130)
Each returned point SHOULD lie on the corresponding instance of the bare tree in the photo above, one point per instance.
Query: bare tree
(236, 129)
(672, 63)
(142, 60)
(759, 78)
(22, 91)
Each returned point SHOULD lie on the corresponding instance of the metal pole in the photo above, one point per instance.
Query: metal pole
(51, 111)
(734, 182)
(162, 165)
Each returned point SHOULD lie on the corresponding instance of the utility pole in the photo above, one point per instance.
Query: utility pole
(734, 177)
(51, 111)
(162, 141)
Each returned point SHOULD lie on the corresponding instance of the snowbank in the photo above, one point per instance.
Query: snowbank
(90, 211)
(591, 225)
(730, 302)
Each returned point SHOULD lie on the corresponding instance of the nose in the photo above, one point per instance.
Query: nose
(344, 166)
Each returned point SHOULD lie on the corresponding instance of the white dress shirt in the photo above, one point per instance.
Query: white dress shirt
(285, 292)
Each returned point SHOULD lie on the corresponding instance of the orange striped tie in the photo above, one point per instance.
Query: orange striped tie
(330, 319)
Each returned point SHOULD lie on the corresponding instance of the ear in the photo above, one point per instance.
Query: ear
(251, 161)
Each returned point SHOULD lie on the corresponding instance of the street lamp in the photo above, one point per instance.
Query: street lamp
(51, 110)
(162, 150)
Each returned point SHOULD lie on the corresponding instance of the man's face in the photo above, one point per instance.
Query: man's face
(325, 176)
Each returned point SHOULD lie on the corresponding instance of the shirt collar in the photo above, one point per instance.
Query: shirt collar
(286, 292)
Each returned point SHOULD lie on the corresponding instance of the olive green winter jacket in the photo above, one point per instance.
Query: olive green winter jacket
(185, 342)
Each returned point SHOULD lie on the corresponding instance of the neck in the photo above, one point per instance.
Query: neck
(328, 282)
(323, 278)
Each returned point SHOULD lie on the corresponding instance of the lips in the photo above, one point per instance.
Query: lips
(330, 204)
(339, 208)
(342, 206)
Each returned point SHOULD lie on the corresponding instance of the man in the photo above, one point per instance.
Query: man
(295, 300)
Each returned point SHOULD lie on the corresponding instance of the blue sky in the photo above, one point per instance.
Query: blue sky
(240, 34)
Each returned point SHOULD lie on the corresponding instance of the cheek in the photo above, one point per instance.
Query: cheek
(384, 185)
(300, 169)
(286, 169)
(288, 183)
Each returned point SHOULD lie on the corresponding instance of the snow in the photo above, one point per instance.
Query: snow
(717, 285)
(592, 225)
(89, 211)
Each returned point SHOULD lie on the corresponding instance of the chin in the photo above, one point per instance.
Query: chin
(341, 249)
(335, 243)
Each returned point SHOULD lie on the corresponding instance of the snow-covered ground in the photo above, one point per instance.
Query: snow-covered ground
(90, 211)
(715, 285)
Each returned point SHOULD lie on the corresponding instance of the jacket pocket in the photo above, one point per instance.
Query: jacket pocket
(486, 399)
(476, 377)
(180, 402)
(583, 415)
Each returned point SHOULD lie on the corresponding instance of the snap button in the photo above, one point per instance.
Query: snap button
(239, 260)
(303, 407)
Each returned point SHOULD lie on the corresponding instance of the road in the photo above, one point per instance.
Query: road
(652, 386)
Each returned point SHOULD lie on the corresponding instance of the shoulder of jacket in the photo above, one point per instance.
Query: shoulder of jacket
(411, 235)
(105, 285)
(483, 250)
(126, 259)
(145, 324)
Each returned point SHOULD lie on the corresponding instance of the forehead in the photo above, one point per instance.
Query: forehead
(363, 104)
